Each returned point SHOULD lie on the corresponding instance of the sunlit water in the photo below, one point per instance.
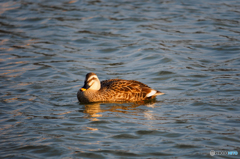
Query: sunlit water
(190, 50)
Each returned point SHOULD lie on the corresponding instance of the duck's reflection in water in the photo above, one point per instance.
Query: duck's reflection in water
(95, 110)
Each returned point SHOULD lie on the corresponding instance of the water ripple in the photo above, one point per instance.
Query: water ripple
(188, 50)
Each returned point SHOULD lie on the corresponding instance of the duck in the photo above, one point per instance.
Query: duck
(114, 90)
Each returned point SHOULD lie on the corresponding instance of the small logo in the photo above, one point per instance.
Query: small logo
(212, 152)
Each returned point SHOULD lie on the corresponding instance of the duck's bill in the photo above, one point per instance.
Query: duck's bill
(85, 87)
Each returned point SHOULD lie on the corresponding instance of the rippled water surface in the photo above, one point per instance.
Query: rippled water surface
(190, 50)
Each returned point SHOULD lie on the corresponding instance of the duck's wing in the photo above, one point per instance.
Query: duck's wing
(129, 88)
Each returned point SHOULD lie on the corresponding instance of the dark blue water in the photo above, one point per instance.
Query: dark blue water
(190, 50)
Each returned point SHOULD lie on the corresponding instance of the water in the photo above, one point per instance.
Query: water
(190, 50)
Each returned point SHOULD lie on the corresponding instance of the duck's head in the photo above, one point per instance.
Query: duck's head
(91, 82)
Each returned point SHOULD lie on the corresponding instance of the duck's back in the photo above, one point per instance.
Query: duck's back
(124, 90)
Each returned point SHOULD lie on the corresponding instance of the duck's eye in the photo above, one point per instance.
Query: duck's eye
(91, 81)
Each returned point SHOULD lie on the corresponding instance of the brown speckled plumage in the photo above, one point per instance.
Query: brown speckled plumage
(114, 90)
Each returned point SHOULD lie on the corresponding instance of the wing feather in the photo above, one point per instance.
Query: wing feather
(127, 88)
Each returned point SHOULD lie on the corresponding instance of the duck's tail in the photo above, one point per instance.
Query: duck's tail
(153, 93)
(158, 93)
